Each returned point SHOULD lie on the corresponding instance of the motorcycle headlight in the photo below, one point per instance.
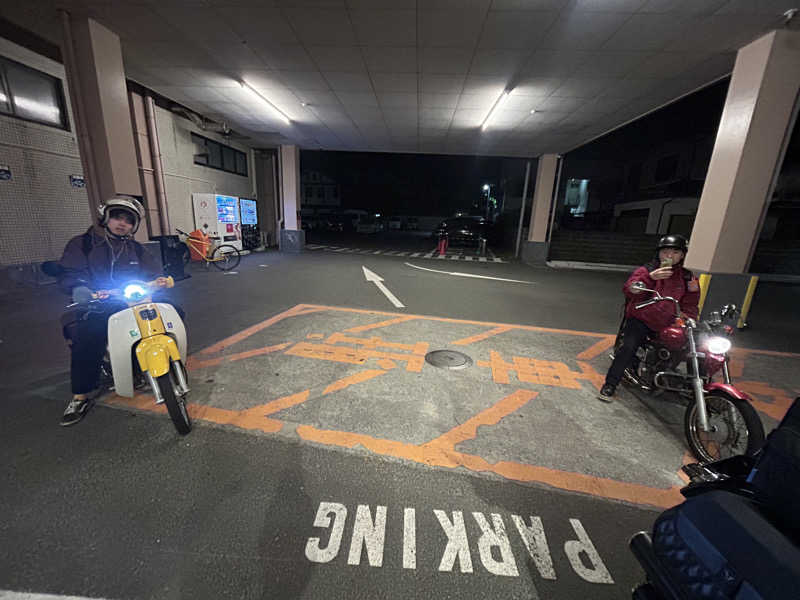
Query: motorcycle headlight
(718, 345)
(134, 291)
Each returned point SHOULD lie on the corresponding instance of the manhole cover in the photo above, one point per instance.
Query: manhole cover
(448, 359)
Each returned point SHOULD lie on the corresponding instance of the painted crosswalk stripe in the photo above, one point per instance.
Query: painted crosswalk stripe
(416, 254)
(482, 259)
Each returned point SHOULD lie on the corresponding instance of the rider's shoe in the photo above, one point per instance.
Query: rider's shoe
(607, 393)
(77, 408)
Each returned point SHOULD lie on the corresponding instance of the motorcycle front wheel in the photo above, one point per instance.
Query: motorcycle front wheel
(734, 428)
(176, 404)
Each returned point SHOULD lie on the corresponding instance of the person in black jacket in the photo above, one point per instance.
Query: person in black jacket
(97, 262)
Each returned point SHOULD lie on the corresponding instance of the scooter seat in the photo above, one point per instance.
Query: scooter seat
(720, 545)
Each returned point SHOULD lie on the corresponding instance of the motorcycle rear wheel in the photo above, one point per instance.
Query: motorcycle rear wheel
(738, 433)
(176, 404)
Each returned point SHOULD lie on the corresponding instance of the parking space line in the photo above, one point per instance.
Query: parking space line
(353, 380)
(491, 416)
(300, 309)
(482, 336)
(439, 457)
(362, 328)
(597, 349)
(192, 363)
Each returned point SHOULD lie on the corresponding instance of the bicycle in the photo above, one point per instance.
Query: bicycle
(224, 257)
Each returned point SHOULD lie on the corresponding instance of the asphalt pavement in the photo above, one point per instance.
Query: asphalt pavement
(120, 506)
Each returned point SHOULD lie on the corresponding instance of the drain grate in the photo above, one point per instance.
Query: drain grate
(448, 359)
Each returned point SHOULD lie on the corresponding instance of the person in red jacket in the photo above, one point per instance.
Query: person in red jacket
(666, 275)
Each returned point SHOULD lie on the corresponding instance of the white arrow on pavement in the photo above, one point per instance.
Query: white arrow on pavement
(456, 274)
(378, 281)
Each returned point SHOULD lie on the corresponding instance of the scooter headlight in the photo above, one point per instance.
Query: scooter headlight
(719, 345)
(135, 291)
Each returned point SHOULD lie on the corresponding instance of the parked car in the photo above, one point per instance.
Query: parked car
(462, 230)
(395, 223)
(370, 225)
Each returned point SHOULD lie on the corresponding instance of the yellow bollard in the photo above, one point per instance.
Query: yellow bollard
(705, 281)
(748, 300)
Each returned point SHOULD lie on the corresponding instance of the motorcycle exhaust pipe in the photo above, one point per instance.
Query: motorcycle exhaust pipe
(661, 385)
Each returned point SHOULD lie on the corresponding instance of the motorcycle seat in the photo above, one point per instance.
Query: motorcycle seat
(722, 545)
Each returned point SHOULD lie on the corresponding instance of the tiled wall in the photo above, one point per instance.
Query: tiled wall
(182, 177)
(39, 209)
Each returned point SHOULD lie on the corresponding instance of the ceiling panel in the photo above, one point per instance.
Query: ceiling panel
(539, 5)
(554, 63)
(621, 6)
(683, 7)
(445, 61)
(234, 56)
(647, 32)
(284, 56)
(518, 102)
(556, 104)
(304, 80)
(535, 86)
(264, 79)
(576, 30)
(357, 99)
(498, 63)
(385, 27)
(441, 84)
(395, 82)
(317, 98)
(439, 100)
(391, 59)
(322, 27)
(664, 65)
(437, 27)
(583, 87)
(395, 100)
(610, 64)
(719, 33)
(337, 58)
(468, 117)
(515, 29)
(478, 101)
(757, 7)
(258, 22)
(348, 82)
(199, 23)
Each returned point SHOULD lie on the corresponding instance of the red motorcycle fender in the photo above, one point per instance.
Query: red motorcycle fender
(728, 389)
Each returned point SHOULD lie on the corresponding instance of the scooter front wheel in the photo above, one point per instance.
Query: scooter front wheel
(735, 428)
(176, 404)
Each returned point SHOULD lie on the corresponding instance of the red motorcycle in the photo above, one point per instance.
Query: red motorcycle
(719, 421)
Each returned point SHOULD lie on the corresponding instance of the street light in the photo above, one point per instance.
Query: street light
(488, 189)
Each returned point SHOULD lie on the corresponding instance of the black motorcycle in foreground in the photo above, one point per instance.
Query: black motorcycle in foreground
(737, 534)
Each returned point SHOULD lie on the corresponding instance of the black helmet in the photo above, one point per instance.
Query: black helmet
(674, 240)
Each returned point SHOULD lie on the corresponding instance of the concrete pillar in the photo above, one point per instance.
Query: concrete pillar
(266, 185)
(535, 249)
(93, 62)
(293, 238)
(756, 124)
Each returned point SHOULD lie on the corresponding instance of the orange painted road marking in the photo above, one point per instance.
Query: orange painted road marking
(491, 416)
(298, 310)
(482, 336)
(194, 363)
(441, 457)
(362, 328)
(531, 370)
(353, 380)
(597, 349)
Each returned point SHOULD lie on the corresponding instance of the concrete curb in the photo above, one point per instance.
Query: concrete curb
(584, 266)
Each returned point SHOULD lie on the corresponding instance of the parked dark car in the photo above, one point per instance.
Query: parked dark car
(462, 230)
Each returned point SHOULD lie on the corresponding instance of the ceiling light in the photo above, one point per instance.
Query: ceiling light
(257, 95)
(533, 110)
(497, 104)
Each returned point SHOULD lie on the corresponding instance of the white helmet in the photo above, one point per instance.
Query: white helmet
(126, 203)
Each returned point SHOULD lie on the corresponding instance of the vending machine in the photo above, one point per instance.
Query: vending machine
(251, 236)
(221, 214)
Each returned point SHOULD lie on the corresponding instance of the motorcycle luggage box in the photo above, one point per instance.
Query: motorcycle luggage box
(719, 545)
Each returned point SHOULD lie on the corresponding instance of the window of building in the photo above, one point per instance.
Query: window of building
(218, 156)
(31, 95)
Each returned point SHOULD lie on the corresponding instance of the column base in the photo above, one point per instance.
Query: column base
(292, 240)
(726, 289)
(535, 253)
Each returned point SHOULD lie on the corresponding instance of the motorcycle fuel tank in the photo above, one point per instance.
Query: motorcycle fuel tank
(673, 338)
